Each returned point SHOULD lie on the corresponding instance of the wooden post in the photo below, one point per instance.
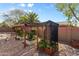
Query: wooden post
(24, 35)
(43, 33)
(37, 38)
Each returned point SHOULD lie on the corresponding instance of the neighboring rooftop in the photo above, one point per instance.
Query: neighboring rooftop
(63, 23)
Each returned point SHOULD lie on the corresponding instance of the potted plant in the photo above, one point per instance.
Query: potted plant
(31, 37)
(49, 49)
(42, 45)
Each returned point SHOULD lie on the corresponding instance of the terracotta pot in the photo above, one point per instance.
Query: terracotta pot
(41, 49)
(49, 51)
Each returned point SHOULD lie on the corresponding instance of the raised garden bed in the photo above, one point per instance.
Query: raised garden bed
(49, 51)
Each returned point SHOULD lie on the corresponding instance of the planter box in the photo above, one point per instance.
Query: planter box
(49, 51)
(42, 49)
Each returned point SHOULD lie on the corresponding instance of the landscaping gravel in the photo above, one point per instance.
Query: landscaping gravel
(66, 50)
(15, 48)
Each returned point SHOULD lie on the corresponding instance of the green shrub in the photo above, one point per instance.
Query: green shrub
(19, 33)
(42, 44)
(31, 35)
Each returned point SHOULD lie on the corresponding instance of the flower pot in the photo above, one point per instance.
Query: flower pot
(41, 49)
(49, 51)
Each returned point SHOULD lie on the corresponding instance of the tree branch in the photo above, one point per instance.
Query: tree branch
(73, 12)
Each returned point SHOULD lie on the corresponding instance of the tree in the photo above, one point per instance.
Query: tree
(12, 17)
(69, 10)
(19, 16)
(30, 17)
(3, 24)
(23, 19)
(16, 14)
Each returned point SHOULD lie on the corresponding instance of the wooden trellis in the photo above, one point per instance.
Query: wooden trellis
(49, 30)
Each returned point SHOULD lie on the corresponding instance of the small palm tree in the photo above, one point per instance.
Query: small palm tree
(23, 19)
(32, 17)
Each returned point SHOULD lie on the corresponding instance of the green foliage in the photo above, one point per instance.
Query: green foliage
(19, 33)
(31, 35)
(3, 24)
(23, 19)
(69, 10)
(44, 44)
(17, 16)
(33, 32)
(32, 17)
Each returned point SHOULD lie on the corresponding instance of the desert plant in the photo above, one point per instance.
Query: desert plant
(31, 35)
(47, 48)
(19, 33)
(42, 44)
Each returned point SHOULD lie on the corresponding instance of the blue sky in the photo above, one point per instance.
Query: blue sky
(45, 11)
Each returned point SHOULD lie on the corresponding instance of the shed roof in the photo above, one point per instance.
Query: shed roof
(36, 24)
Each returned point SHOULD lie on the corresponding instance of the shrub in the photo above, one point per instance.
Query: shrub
(31, 35)
(42, 44)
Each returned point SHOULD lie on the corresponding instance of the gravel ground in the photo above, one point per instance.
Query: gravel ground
(10, 47)
(63, 50)
(66, 50)
(15, 48)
